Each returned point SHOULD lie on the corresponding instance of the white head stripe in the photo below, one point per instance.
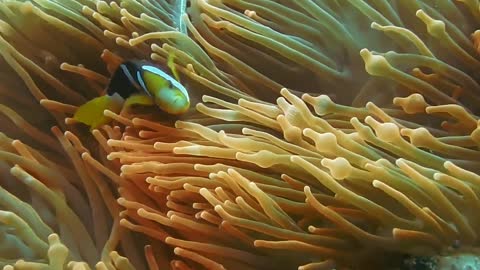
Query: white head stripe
(167, 77)
(142, 83)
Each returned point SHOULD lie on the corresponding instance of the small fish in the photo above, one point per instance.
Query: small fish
(137, 83)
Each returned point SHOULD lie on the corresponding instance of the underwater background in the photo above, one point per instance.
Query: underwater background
(321, 134)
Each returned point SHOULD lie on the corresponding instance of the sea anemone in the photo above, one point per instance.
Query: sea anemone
(323, 135)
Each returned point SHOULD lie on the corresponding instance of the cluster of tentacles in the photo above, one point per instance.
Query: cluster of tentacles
(305, 148)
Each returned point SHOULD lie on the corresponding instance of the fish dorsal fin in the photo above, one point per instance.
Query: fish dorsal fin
(171, 65)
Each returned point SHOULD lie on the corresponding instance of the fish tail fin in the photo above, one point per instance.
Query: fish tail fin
(91, 113)
(171, 65)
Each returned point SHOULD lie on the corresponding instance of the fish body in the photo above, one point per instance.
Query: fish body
(137, 82)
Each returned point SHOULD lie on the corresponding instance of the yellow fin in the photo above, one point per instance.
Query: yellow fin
(139, 100)
(91, 113)
(171, 65)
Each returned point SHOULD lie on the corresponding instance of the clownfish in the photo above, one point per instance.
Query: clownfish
(137, 83)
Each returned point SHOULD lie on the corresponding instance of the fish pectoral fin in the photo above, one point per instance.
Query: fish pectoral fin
(91, 113)
(139, 99)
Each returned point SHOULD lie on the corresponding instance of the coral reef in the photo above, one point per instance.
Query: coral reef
(325, 135)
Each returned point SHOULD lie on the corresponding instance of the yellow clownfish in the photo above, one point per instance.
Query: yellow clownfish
(136, 82)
